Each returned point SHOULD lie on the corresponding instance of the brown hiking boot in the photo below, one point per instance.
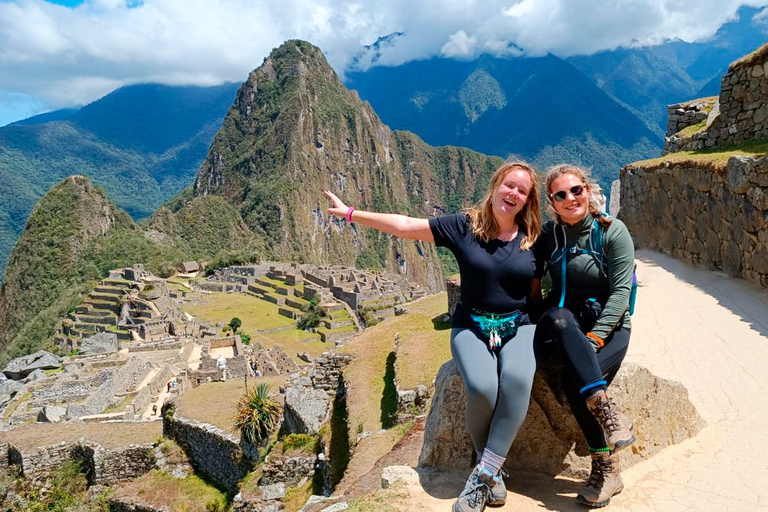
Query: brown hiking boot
(616, 427)
(604, 481)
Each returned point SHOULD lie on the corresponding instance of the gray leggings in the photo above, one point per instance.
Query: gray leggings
(498, 386)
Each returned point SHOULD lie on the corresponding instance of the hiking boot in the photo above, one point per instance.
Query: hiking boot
(475, 494)
(604, 481)
(616, 427)
(497, 490)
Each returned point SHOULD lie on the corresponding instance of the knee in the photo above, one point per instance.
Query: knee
(482, 393)
(558, 319)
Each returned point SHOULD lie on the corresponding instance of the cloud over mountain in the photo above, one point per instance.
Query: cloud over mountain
(64, 56)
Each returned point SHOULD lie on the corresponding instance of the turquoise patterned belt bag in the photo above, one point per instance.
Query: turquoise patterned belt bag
(495, 326)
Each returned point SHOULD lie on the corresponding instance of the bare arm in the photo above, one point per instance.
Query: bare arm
(401, 226)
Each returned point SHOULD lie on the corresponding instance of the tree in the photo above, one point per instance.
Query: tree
(257, 415)
(235, 324)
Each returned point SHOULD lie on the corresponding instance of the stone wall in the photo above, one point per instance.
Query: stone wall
(218, 287)
(212, 451)
(327, 371)
(288, 470)
(705, 215)
(145, 395)
(165, 344)
(741, 113)
(100, 465)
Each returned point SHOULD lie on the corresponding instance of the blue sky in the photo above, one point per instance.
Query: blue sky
(64, 53)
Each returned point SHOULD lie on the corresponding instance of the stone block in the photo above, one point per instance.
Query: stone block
(550, 441)
(51, 414)
(306, 409)
(101, 343)
(393, 474)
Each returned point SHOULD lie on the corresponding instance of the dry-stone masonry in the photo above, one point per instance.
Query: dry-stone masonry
(702, 214)
(550, 441)
(213, 452)
(306, 407)
(740, 113)
(327, 370)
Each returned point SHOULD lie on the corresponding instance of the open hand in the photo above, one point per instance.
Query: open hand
(338, 209)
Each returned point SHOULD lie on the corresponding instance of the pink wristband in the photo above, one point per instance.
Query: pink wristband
(349, 214)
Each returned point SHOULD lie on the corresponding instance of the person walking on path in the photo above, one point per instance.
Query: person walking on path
(586, 319)
(491, 335)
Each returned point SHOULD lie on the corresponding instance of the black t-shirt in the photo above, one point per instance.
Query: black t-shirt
(495, 276)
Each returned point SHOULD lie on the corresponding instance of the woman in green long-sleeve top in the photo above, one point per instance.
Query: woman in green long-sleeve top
(585, 324)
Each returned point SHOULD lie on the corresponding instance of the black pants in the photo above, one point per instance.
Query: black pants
(558, 335)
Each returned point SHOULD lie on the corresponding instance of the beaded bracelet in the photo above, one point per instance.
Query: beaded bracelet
(349, 214)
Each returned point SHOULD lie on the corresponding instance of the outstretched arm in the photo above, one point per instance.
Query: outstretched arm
(401, 226)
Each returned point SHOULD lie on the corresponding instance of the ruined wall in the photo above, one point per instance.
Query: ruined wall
(102, 466)
(327, 371)
(705, 215)
(742, 108)
(144, 396)
(211, 450)
(288, 470)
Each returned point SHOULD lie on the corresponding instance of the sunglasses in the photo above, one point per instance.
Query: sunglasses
(560, 195)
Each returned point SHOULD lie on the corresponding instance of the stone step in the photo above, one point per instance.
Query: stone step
(275, 299)
(291, 313)
(88, 310)
(301, 305)
(101, 320)
(259, 289)
(122, 283)
(263, 282)
(336, 324)
(113, 307)
(105, 297)
(80, 329)
(334, 335)
(111, 290)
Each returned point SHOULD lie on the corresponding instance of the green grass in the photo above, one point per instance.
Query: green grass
(717, 157)
(157, 488)
(254, 313)
(121, 406)
(689, 131)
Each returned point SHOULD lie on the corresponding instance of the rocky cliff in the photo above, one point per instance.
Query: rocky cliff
(295, 130)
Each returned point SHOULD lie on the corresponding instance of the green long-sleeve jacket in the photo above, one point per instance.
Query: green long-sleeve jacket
(583, 277)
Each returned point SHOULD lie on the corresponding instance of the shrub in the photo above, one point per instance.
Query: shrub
(257, 414)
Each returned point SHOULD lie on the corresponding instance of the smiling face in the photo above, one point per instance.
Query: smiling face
(564, 195)
(511, 196)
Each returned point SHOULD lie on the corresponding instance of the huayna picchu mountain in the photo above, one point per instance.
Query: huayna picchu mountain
(72, 238)
(295, 130)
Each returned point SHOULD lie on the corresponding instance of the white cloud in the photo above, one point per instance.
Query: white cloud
(61, 56)
(459, 45)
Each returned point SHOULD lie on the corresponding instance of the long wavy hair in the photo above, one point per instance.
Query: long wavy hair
(484, 225)
(596, 196)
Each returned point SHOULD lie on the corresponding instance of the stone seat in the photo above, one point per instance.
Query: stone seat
(550, 441)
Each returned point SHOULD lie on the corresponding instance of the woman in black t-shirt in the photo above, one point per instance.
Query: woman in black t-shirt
(491, 336)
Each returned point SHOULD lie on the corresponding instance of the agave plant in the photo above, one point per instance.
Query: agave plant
(257, 414)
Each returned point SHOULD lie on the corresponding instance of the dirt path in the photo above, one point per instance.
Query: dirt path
(709, 332)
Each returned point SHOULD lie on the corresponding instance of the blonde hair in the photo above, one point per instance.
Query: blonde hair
(596, 196)
(484, 225)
